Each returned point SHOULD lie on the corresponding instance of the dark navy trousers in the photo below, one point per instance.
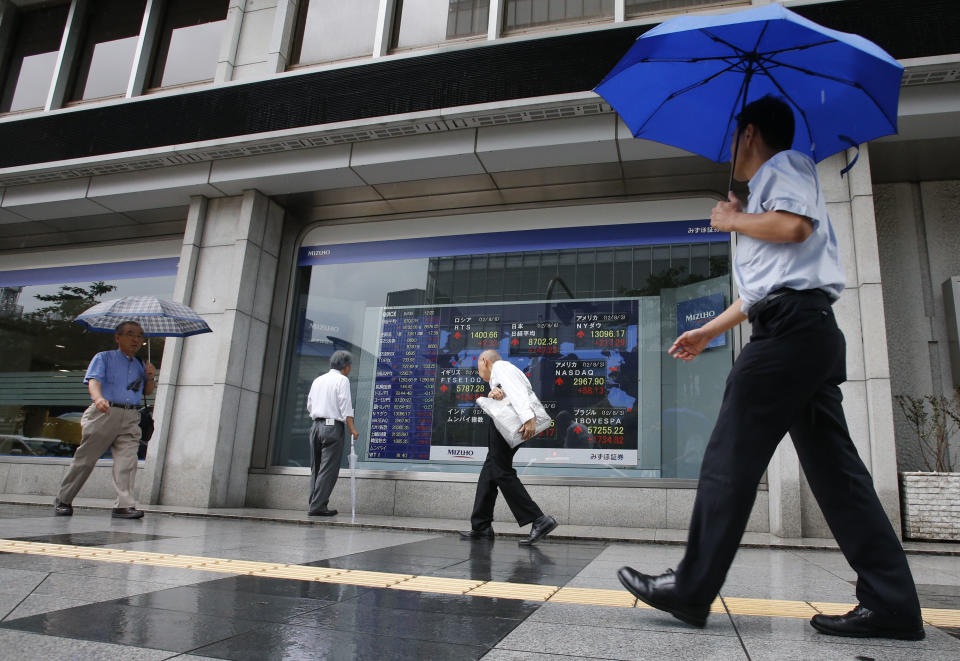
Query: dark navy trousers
(787, 378)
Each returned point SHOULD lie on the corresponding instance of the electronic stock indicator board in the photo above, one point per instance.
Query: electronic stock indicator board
(580, 356)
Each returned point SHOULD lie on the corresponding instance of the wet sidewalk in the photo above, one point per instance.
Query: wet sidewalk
(208, 585)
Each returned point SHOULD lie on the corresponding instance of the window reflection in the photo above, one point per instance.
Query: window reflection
(329, 30)
(524, 14)
(342, 306)
(106, 59)
(44, 356)
(189, 42)
(33, 58)
(429, 22)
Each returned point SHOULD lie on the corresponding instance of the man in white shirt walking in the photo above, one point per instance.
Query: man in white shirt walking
(498, 472)
(330, 407)
(787, 379)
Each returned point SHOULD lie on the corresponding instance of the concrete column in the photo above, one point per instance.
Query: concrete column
(278, 51)
(231, 39)
(210, 389)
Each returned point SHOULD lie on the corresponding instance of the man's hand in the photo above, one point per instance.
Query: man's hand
(690, 344)
(150, 371)
(528, 429)
(724, 214)
(496, 393)
(102, 404)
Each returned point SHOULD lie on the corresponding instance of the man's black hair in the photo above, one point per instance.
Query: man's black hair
(773, 119)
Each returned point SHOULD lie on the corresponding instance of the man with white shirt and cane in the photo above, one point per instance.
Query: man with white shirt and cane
(330, 407)
(498, 472)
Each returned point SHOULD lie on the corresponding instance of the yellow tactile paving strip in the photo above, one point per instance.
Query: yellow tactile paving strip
(940, 617)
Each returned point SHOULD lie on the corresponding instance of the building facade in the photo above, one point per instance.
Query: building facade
(416, 181)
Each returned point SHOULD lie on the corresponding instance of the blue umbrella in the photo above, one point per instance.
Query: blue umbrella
(683, 82)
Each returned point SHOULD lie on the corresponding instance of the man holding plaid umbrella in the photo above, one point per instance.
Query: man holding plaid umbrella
(117, 381)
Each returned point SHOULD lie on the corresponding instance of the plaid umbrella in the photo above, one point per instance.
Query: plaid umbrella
(158, 317)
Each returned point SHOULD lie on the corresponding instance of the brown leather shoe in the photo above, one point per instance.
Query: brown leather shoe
(126, 513)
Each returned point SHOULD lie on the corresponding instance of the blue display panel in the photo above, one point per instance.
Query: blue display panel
(580, 356)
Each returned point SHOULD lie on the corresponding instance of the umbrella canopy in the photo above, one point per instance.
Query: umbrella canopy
(158, 317)
(683, 82)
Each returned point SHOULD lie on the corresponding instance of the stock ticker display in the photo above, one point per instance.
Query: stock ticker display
(580, 356)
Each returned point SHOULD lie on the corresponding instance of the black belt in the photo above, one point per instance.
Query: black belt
(321, 421)
(132, 407)
(772, 297)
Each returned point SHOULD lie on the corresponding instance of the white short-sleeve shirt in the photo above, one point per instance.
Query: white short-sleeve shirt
(788, 182)
(330, 397)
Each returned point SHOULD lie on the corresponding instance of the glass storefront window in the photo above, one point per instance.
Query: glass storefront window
(33, 58)
(105, 61)
(586, 312)
(189, 42)
(44, 354)
(329, 30)
(639, 7)
(432, 22)
(527, 14)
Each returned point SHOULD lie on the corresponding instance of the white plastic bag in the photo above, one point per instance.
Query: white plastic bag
(507, 420)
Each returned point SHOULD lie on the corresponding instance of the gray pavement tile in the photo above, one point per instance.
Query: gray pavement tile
(42, 563)
(755, 628)
(776, 650)
(276, 641)
(25, 646)
(94, 588)
(613, 617)
(19, 581)
(166, 576)
(511, 655)
(828, 589)
(8, 602)
(598, 641)
(36, 604)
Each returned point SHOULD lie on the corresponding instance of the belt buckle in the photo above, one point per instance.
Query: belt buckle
(330, 421)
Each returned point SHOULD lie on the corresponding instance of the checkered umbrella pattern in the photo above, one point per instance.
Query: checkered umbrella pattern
(158, 317)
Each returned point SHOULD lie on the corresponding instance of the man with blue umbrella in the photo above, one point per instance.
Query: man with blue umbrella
(117, 381)
(786, 379)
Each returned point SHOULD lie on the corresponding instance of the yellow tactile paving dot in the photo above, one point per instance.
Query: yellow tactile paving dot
(831, 608)
(940, 617)
(594, 597)
(438, 585)
(770, 607)
(528, 591)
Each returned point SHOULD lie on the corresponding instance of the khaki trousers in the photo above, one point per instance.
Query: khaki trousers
(117, 429)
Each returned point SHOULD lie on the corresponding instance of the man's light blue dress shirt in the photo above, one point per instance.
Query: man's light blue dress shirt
(788, 182)
(115, 371)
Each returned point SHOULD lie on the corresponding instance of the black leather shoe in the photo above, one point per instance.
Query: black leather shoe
(862, 622)
(540, 529)
(62, 509)
(323, 512)
(483, 533)
(661, 593)
(126, 513)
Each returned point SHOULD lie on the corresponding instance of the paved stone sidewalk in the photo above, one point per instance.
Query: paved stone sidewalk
(81, 608)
